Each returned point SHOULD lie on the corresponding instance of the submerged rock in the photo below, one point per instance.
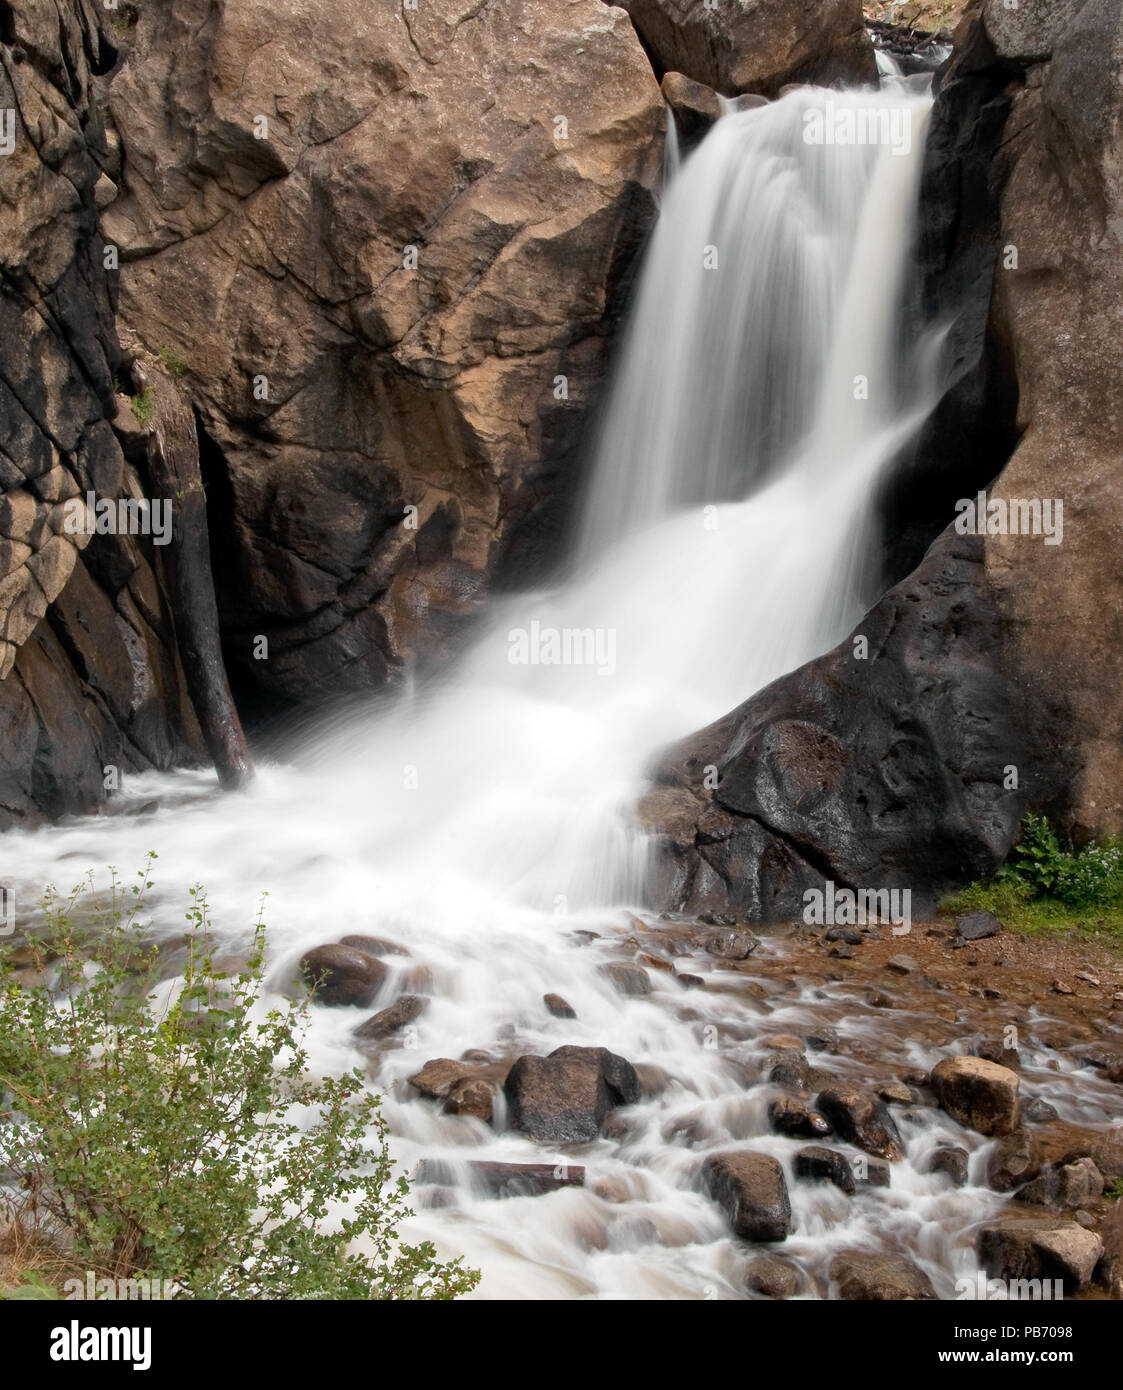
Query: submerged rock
(340, 975)
(393, 1019)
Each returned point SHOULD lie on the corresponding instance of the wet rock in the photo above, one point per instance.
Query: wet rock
(822, 1040)
(750, 1187)
(902, 965)
(556, 1005)
(773, 1277)
(1016, 1248)
(341, 976)
(788, 1069)
(503, 1179)
(557, 1100)
(471, 1095)
(391, 1020)
(1070, 1185)
(896, 1093)
(818, 1164)
(757, 45)
(695, 106)
(867, 1275)
(730, 945)
(1060, 987)
(862, 1118)
(1015, 1159)
(847, 935)
(653, 1080)
(788, 1115)
(950, 1160)
(991, 1050)
(690, 981)
(437, 1077)
(620, 1076)
(374, 945)
(869, 1171)
(979, 1094)
(1036, 1111)
(626, 979)
(976, 926)
(842, 952)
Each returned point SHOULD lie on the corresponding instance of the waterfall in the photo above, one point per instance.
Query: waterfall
(757, 400)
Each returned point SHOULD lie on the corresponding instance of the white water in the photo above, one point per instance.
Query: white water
(482, 820)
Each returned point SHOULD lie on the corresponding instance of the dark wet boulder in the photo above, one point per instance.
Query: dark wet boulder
(620, 1076)
(399, 1015)
(471, 1095)
(772, 1277)
(751, 1189)
(557, 1100)
(818, 1164)
(340, 975)
(950, 1160)
(792, 1116)
(863, 1118)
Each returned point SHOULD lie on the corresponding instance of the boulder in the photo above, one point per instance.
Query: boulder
(399, 1015)
(1071, 1185)
(730, 944)
(750, 1187)
(980, 1095)
(788, 1115)
(951, 1160)
(757, 45)
(1016, 1248)
(1014, 1160)
(438, 1076)
(341, 976)
(862, 1118)
(620, 1076)
(471, 1095)
(557, 1100)
(630, 980)
(1026, 32)
(820, 1164)
(773, 1277)
(866, 1275)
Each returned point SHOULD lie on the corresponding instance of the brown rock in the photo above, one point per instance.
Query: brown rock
(862, 1118)
(437, 1077)
(556, 1005)
(399, 1015)
(865, 1275)
(374, 945)
(1071, 1185)
(773, 1277)
(341, 976)
(627, 979)
(620, 1076)
(978, 1094)
(751, 1189)
(471, 1095)
(557, 1100)
(1015, 1248)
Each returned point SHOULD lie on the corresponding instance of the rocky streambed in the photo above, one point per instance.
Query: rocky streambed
(863, 1115)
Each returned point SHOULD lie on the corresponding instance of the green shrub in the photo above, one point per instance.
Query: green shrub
(143, 405)
(171, 362)
(173, 1133)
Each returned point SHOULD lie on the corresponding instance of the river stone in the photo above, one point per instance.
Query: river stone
(750, 1187)
(557, 1100)
(951, 1160)
(772, 1276)
(620, 1076)
(471, 1095)
(980, 1095)
(868, 1275)
(820, 1164)
(627, 979)
(863, 1118)
(730, 944)
(1016, 1248)
(399, 1015)
(789, 1115)
(1071, 1185)
(557, 1006)
(341, 976)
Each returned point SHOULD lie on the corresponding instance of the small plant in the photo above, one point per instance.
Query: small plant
(143, 405)
(171, 362)
(170, 1132)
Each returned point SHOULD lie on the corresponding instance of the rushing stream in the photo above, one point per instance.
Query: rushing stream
(484, 819)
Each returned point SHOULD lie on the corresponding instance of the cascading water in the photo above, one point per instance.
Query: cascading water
(483, 820)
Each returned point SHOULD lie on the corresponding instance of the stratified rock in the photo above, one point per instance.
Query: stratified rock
(751, 1189)
(620, 1076)
(388, 1021)
(557, 1100)
(341, 976)
(820, 1164)
(757, 45)
(862, 1118)
(979, 1094)
(862, 1274)
(975, 926)
(1016, 1248)
(773, 1277)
